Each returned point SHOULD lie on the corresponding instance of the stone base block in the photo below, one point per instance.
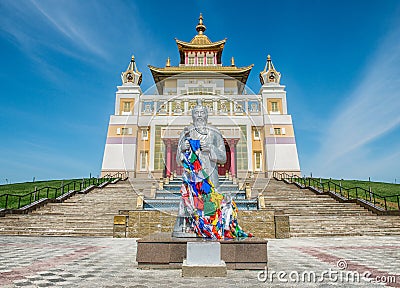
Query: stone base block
(160, 250)
(204, 271)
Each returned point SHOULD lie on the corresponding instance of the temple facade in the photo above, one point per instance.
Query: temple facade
(144, 130)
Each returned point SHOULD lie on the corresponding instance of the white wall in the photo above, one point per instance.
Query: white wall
(119, 157)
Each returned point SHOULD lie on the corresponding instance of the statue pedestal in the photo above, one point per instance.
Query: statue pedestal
(161, 250)
(203, 260)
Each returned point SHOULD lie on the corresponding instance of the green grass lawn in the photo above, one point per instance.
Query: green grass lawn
(46, 189)
(380, 189)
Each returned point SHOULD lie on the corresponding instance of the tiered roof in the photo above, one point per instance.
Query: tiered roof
(201, 43)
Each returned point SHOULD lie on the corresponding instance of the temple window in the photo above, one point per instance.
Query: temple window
(147, 107)
(145, 134)
(257, 161)
(200, 90)
(210, 60)
(256, 134)
(191, 60)
(274, 107)
(143, 160)
(126, 131)
(253, 106)
(200, 61)
(277, 131)
(126, 106)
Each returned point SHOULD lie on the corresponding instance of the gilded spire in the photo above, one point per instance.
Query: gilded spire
(200, 28)
(132, 65)
(269, 74)
(168, 64)
(131, 75)
(233, 61)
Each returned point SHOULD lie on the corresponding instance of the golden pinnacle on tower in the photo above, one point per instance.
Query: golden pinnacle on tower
(233, 61)
(168, 64)
(200, 28)
(269, 74)
(131, 74)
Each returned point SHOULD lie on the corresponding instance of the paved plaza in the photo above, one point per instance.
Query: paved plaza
(108, 262)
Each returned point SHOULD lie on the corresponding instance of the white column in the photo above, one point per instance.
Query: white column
(117, 100)
(249, 148)
(186, 106)
(215, 107)
(265, 152)
(152, 146)
(284, 104)
(135, 152)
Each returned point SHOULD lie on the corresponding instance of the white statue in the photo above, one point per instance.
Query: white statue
(212, 147)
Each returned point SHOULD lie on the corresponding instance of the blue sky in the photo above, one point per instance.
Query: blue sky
(61, 62)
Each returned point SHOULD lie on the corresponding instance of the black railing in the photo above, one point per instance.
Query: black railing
(386, 203)
(14, 201)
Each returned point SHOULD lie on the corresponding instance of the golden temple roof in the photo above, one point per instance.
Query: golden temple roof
(239, 73)
(200, 41)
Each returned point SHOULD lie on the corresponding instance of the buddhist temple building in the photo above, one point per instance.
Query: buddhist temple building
(144, 130)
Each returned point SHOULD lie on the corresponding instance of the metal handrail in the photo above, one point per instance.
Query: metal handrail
(54, 192)
(353, 193)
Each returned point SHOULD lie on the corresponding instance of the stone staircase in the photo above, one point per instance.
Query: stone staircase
(88, 214)
(92, 214)
(312, 215)
(168, 198)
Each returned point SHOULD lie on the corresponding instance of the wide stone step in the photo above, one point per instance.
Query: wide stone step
(57, 233)
(88, 214)
(317, 207)
(173, 195)
(343, 221)
(173, 204)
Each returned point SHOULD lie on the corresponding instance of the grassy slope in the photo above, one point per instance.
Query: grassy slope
(27, 187)
(381, 188)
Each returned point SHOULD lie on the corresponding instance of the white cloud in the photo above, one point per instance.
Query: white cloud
(369, 114)
(64, 19)
(74, 28)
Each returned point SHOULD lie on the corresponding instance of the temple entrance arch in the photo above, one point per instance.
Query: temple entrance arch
(223, 168)
(170, 138)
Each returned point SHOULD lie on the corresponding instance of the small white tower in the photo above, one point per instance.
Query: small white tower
(279, 142)
(121, 144)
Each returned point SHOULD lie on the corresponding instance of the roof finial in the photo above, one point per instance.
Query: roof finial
(233, 61)
(131, 75)
(168, 64)
(269, 74)
(200, 28)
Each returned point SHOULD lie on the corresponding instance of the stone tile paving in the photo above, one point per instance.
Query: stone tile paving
(107, 262)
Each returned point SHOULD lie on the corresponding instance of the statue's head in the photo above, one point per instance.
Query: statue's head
(199, 115)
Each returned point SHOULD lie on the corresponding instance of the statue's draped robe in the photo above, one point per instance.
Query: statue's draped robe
(209, 213)
(209, 159)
